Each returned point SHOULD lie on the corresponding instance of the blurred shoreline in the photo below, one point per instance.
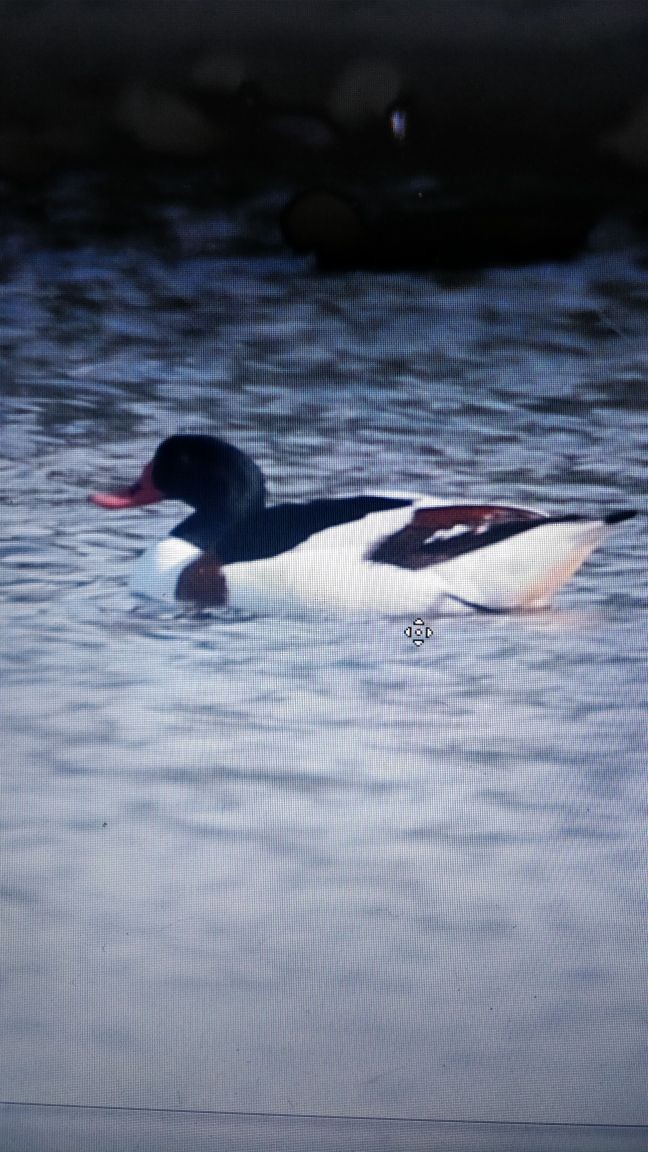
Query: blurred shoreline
(318, 87)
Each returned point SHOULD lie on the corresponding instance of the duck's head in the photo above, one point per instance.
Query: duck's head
(207, 473)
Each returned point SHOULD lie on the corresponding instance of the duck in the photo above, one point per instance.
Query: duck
(392, 554)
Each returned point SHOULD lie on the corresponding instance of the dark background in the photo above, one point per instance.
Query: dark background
(544, 85)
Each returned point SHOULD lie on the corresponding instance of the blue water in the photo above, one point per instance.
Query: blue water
(300, 865)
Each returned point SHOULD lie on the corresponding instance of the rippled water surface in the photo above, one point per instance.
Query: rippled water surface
(297, 864)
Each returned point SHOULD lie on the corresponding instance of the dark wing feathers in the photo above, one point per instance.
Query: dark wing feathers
(435, 535)
(285, 526)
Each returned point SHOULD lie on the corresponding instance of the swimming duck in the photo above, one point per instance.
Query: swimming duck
(391, 554)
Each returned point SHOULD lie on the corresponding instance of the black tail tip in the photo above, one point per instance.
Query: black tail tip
(622, 514)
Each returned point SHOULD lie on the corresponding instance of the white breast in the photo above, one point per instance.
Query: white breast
(157, 571)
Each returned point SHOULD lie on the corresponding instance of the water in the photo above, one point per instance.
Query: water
(299, 865)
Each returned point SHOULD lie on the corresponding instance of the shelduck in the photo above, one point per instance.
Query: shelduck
(389, 554)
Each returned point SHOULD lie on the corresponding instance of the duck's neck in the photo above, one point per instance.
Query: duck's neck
(238, 502)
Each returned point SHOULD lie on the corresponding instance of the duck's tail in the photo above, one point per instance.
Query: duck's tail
(527, 569)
